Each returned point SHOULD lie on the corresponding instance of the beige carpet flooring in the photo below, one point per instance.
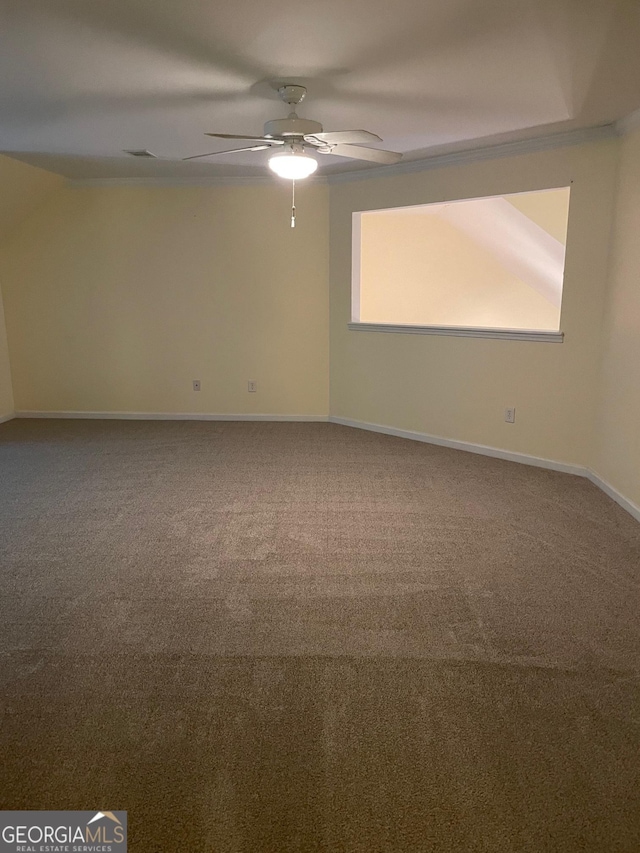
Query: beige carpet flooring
(303, 637)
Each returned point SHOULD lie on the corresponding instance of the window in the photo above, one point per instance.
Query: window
(492, 267)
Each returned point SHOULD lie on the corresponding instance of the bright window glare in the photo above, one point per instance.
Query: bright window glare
(495, 262)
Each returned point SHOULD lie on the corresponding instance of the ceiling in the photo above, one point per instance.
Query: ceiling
(84, 79)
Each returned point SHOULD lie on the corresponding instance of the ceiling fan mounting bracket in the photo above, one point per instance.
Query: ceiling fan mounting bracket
(292, 126)
(292, 94)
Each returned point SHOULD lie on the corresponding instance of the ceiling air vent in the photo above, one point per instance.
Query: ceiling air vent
(140, 152)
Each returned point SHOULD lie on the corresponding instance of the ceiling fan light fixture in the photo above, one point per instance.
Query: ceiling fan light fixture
(292, 164)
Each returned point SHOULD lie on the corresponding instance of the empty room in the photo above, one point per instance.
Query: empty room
(320, 426)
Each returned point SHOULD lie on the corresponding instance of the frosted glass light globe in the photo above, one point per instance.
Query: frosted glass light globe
(292, 165)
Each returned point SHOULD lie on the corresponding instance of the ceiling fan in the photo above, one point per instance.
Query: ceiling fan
(293, 138)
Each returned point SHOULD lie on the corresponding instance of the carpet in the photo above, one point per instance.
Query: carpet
(305, 637)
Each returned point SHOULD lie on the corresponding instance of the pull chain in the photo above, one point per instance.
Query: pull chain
(293, 204)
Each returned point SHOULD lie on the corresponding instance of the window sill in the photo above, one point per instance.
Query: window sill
(549, 337)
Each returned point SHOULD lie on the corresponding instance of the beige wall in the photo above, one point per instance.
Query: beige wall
(617, 459)
(6, 388)
(549, 210)
(117, 298)
(459, 387)
(419, 269)
(22, 189)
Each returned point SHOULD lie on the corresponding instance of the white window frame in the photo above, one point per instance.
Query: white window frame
(356, 325)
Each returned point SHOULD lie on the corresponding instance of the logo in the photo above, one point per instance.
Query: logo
(63, 832)
(99, 815)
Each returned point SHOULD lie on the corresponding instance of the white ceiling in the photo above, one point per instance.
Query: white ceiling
(84, 79)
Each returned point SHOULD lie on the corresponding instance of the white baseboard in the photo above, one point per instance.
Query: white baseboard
(170, 416)
(496, 452)
(632, 508)
(483, 450)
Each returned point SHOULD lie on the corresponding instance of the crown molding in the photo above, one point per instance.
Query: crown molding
(436, 161)
(485, 152)
(628, 123)
(218, 181)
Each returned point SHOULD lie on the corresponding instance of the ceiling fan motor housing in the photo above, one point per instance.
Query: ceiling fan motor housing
(292, 126)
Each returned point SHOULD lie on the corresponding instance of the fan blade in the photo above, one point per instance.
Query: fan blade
(239, 136)
(344, 137)
(229, 151)
(357, 152)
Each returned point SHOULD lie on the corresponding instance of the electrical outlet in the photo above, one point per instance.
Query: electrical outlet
(196, 384)
(252, 386)
(510, 416)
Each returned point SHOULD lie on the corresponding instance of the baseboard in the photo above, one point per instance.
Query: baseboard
(632, 508)
(170, 416)
(497, 453)
(481, 449)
